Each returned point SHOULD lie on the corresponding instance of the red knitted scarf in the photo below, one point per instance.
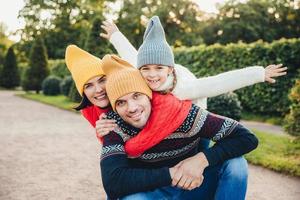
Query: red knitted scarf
(167, 114)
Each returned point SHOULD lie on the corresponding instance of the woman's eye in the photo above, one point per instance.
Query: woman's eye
(87, 86)
(102, 81)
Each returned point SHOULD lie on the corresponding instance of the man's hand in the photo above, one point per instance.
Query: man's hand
(109, 28)
(272, 71)
(188, 173)
(104, 126)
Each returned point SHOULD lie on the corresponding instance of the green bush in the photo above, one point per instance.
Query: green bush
(211, 60)
(51, 85)
(227, 105)
(58, 68)
(38, 67)
(9, 74)
(65, 85)
(292, 120)
(74, 96)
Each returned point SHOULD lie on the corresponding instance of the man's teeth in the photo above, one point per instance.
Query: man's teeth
(137, 115)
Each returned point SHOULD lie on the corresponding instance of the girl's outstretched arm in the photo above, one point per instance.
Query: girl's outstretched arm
(225, 82)
(124, 48)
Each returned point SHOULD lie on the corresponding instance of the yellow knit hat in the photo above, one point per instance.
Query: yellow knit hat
(82, 65)
(122, 78)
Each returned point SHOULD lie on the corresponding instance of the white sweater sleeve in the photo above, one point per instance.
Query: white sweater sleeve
(124, 47)
(215, 85)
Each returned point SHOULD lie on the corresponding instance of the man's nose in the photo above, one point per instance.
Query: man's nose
(132, 107)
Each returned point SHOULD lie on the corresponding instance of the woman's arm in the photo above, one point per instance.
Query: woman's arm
(124, 48)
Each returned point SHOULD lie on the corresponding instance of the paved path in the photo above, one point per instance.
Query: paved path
(269, 128)
(52, 154)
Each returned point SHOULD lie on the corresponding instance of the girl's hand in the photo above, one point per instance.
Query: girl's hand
(109, 28)
(272, 71)
(104, 126)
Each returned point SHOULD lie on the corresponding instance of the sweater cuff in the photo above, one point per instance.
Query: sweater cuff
(260, 72)
(115, 37)
(211, 156)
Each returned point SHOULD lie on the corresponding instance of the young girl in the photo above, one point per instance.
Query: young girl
(156, 63)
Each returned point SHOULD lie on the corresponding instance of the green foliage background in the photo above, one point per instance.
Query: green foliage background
(261, 98)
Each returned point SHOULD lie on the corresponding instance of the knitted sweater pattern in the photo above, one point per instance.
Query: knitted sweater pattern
(199, 122)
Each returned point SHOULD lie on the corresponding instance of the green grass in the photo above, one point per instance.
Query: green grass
(277, 152)
(59, 101)
(262, 118)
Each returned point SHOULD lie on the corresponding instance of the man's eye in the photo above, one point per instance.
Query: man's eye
(136, 95)
(120, 103)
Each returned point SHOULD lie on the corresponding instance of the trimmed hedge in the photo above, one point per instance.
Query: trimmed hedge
(263, 98)
(58, 68)
(50, 85)
(292, 120)
(65, 85)
(226, 105)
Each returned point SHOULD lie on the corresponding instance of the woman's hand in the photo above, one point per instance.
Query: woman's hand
(109, 28)
(272, 71)
(104, 126)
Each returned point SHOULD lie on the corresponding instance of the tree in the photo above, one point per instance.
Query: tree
(4, 43)
(95, 44)
(10, 77)
(59, 22)
(253, 20)
(180, 19)
(38, 69)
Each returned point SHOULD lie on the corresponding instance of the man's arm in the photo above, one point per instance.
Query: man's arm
(239, 142)
(232, 140)
(119, 178)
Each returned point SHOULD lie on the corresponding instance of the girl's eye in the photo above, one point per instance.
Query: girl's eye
(144, 68)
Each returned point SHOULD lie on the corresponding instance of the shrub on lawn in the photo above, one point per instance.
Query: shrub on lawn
(292, 119)
(227, 105)
(73, 94)
(65, 85)
(51, 85)
(58, 68)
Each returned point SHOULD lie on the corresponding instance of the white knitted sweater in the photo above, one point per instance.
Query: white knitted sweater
(188, 86)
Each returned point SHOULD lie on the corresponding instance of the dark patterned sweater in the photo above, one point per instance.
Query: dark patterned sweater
(122, 175)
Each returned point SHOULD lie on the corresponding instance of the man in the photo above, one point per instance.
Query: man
(172, 169)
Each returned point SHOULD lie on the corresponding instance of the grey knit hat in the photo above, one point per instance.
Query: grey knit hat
(155, 48)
